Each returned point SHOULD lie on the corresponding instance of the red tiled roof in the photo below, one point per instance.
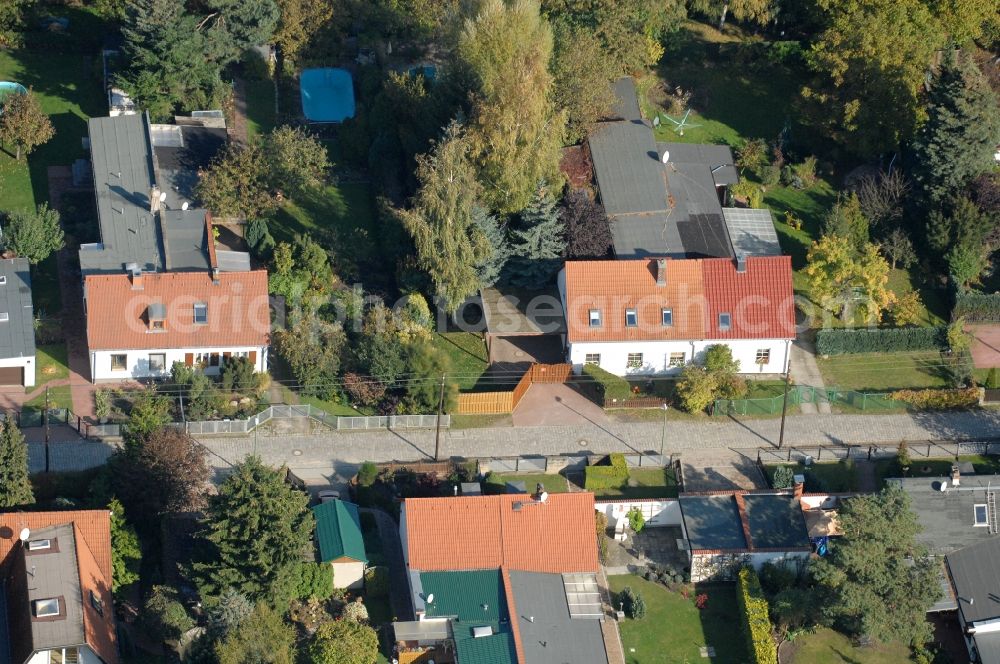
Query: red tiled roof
(238, 310)
(92, 532)
(759, 300)
(483, 532)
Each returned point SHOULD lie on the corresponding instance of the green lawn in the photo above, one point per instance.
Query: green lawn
(825, 646)
(68, 88)
(984, 465)
(466, 353)
(645, 483)
(552, 483)
(883, 372)
(51, 363)
(260, 107)
(480, 421)
(835, 477)
(674, 630)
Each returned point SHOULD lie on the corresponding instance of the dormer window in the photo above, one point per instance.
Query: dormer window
(595, 317)
(631, 318)
(200, 313)
(725, 321)
(4, 316)
(3, 279)
(39, 545)
(981, 515)
(157, 315)
(47, 608)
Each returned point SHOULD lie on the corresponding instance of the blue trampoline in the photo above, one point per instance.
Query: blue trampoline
(327, 94)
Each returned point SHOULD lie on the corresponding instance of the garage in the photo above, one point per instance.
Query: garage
(11, 375)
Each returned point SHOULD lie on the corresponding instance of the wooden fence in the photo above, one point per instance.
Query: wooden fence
(489, 403)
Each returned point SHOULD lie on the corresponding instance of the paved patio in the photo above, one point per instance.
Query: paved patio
(656, 545)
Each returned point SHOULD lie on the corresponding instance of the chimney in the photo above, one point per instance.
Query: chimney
(956, 475)
(215, 276)
(154, 200)
(661, 271)
(741, 263)
(135, 273)
(798, 486)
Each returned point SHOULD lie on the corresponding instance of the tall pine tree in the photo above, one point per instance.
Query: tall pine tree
(256, 529)
(495, 233)
(959, 138)
(538, 243)
(15, 487)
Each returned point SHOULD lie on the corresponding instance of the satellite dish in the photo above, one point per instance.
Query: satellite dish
(666, 156)
(656, 121)
(163, 196)
(430, 598)
(543, 496)
(184, 205)
(25, 534)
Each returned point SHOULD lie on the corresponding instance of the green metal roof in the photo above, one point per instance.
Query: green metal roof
(473, 599)
(338, 531)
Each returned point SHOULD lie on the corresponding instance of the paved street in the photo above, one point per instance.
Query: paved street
(335, 456)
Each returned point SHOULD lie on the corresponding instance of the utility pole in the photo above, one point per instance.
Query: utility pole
(663, 435)
(784, 401)
(437, 434)
(46, 416)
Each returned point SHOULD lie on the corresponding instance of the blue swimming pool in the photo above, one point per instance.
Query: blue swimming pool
(327, 94)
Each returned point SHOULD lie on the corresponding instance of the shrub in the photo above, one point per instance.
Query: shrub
(992, 379)
(609, 388)
(164, 616)
(633, 604)
(938, 399)
(355, 611)
(601, 525)
(806, 171)
(377, 582)
(783, 477)
(304, 580)
(903, 456)
(753, 605)
(880, 340)
(977, 307)
(367, 474)
(636, 521)
(701, 601)
(611, 476)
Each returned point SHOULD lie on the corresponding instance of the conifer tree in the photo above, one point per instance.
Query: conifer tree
(15, 486)
(495, 234)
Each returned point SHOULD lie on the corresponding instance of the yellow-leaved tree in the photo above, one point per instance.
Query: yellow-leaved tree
(849, 282)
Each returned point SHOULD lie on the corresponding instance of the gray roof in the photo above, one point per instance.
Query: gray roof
(184, 240)
(17, 333)
(642, 235)
(232, 261)
(697, 212)
(718, 159)
(122, 158)
(752, 232)
(507, 312)
(712, 522)
(947, 517)
(54, 574)
(775, 521)
(553, 637)
(628, 168)
(626, 100)
(988, 647)
(975, 572)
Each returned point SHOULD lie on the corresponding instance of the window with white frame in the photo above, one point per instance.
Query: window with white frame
(667, 317)
(725, 321)
(631, 318)
(157, 361)
(64, 656)
(592, 358)
(634, 360)
(46, 608)
(981, 515)
(119, 362)
(676, 360)
(595, 317)
(39, 544)
(763, 356)
(200, 313)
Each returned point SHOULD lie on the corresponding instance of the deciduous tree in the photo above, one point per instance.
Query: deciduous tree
(870, 63)
(12, 16)
(23, 123)
(299, 21)
(255, 529)
(343, 642)
(507, 48)
(881, 583)
(449, 243)
(848, 221)
(238, 183)
(588, 232)
(263, 637)
(745, 11)
(846, 281)
(125, 550)
(959, 138)
(582, 74)
(296, 161)
(33, 234)
(312, 347)
(15, 485)
(428, 366)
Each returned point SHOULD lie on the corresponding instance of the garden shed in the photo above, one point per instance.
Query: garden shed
(338, 536)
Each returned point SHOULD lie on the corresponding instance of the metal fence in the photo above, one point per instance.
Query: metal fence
(800, 394)
(572, 462)
(916, 450)
(277, 412)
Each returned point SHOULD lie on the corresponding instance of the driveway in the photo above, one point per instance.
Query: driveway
(392, 549)
(549, 404)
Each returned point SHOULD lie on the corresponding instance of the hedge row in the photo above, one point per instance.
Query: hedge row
(752, 603)
(977, 307)
(607, 386)
(881, 340)
(612, 476)
(938, 399)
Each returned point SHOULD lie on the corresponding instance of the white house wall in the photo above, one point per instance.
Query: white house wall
(349, 575)
(722, 566)
(656, 355)
(27, 363)
(656, 512)
(137, 364)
